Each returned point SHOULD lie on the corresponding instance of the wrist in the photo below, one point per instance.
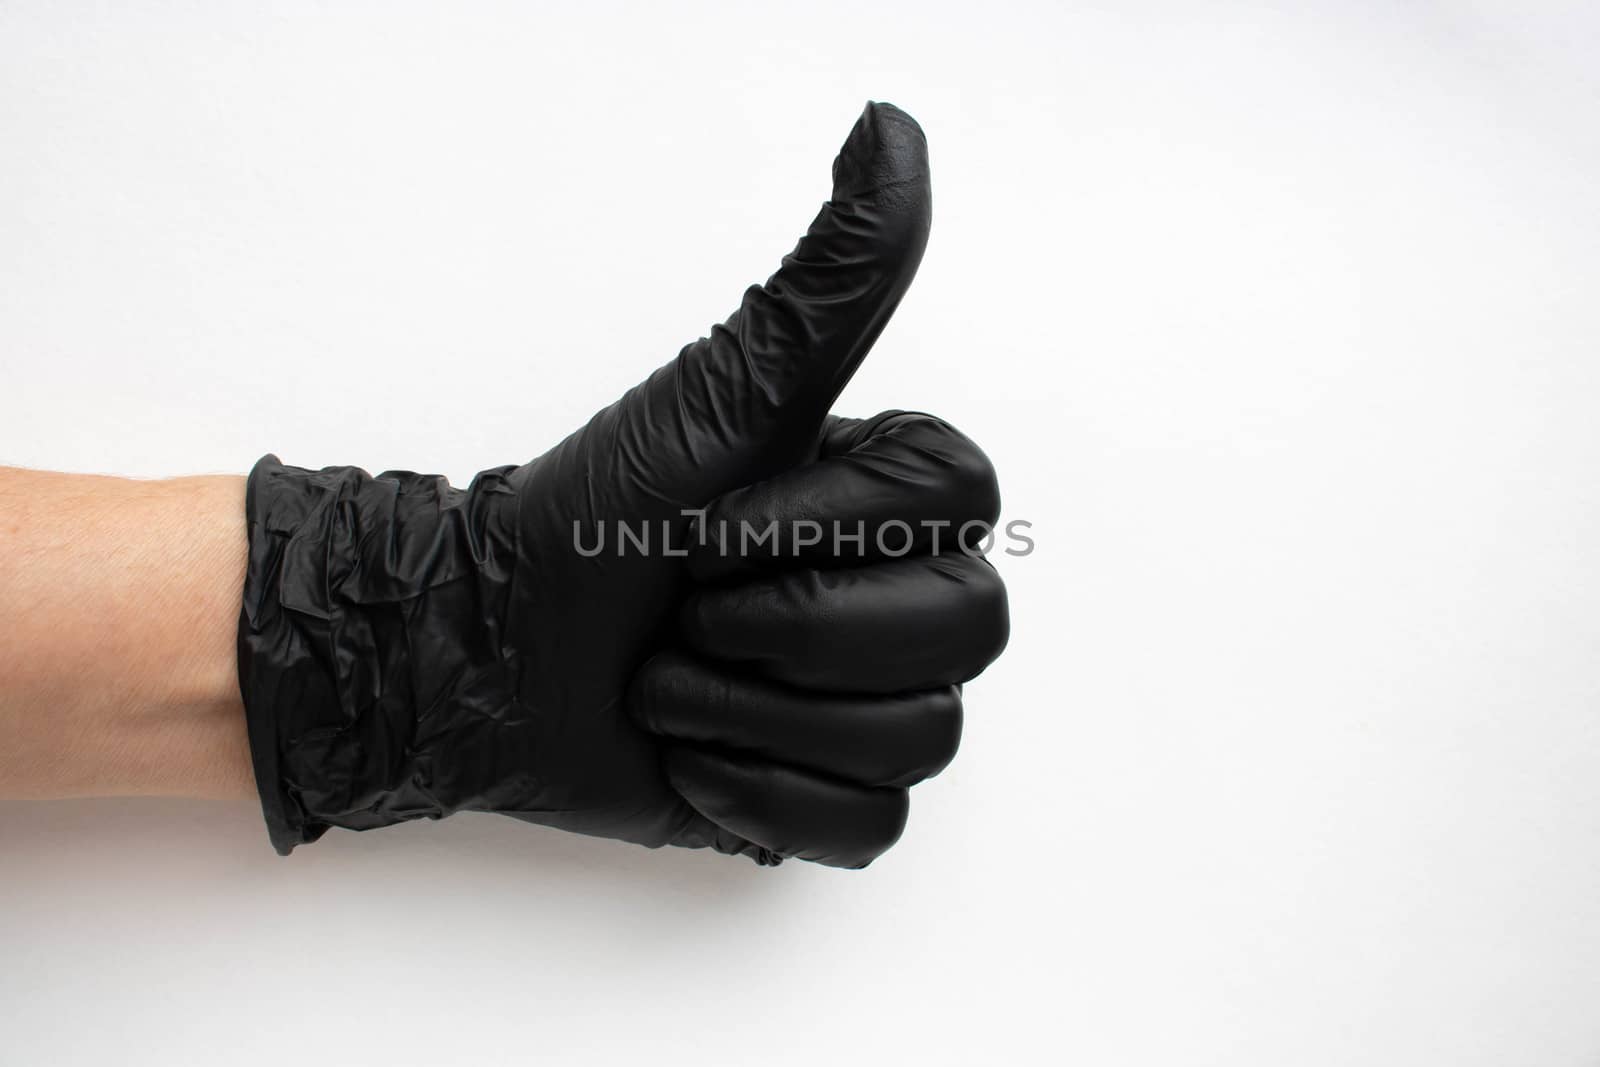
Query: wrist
(119, 599)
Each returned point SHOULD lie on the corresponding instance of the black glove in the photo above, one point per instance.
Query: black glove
(409, 649)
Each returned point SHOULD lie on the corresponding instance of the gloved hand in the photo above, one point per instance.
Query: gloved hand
(409, 649)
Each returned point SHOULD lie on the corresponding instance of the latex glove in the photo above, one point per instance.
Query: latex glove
(408, 649)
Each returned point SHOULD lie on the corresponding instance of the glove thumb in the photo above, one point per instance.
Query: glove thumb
(749, 399)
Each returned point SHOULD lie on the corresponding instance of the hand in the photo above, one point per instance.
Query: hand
(408, 649)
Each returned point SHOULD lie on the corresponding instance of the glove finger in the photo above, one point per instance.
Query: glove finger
(895, 740)
(898, 484)
(786, 811)
(747, 400)
(916, 623)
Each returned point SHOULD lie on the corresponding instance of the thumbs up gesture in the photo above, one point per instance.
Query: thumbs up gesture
(713, 616)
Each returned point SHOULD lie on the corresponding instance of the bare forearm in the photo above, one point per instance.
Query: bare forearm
(119, 601)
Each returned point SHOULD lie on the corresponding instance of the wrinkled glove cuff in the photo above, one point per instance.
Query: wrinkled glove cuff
(339, 562)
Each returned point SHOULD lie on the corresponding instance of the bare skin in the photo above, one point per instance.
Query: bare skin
(119, 604)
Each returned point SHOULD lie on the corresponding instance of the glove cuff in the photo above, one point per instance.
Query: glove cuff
(269, 523)
(335, 587)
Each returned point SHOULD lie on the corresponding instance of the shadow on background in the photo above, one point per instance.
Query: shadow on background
(169, 854)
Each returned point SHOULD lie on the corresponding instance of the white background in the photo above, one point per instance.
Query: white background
(1280, 326)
